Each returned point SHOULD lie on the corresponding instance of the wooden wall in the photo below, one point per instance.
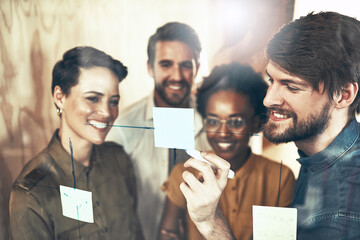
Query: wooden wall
(35, 33)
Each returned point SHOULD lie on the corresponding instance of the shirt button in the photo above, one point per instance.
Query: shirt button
(234, 210)
(106, 229)
(97, 203)
(233, 188)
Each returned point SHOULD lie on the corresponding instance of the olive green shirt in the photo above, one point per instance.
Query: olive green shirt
(35, 205)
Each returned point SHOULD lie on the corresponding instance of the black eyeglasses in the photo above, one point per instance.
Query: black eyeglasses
(233, 123)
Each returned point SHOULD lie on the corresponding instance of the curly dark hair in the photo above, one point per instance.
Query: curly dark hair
(237, 78)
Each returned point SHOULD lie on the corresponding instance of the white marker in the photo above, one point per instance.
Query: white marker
(196, 154)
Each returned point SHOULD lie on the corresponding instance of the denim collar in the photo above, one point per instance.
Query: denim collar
(338, 148)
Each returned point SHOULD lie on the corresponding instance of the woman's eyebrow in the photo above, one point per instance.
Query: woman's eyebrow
(95, 92)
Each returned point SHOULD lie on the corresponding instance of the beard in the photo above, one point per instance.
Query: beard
(174, 99)
(311, 127)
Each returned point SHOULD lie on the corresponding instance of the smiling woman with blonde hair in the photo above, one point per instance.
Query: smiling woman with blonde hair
(86, 95)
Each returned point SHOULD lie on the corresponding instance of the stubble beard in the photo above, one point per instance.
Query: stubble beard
(310, 128)
(175, 99)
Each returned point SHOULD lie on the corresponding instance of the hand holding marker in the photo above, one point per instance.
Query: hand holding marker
(196, 154)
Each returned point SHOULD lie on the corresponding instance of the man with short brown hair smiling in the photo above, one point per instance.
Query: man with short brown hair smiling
(314, 74)
(173, 63)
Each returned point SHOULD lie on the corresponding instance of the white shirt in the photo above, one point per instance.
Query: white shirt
(151, 164)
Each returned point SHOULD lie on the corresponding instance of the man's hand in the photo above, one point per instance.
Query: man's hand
(203, 197)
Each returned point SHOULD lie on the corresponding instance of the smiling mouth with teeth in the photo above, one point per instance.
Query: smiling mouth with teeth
(224, 145)
(278, 115)
(175, 87)
(97, 124)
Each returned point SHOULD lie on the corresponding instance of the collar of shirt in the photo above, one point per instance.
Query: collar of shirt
(247, 168)
(341, 144)
(63, 158)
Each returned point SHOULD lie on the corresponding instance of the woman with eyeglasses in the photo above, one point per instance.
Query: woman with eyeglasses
(230, 101)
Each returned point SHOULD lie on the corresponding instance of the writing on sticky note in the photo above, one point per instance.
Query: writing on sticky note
(76, 204)
(174, 127)
(276, 223)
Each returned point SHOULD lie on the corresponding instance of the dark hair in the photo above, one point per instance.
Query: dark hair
(174, 31)
(320, 48)
(237, 78)
(66, 72)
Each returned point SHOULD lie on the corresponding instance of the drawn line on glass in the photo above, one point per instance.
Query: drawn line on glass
(77, 210)
(72, 162)
(127, 126)
(174, 156)
(117, 125)
(73, 173)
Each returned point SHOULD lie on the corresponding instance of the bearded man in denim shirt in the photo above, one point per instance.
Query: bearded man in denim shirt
(313, 74)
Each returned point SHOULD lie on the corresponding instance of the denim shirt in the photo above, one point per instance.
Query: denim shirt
(327, 193)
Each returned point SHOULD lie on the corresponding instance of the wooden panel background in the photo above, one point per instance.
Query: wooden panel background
(35, 33)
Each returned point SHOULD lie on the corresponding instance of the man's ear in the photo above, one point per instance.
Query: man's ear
(150, 70)
(346, 96)
(59, 97)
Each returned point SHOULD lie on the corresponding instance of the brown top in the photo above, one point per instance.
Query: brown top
(255, 183)
(35, 205)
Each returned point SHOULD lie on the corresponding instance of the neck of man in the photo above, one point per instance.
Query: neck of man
(311, 146)
(159, 102)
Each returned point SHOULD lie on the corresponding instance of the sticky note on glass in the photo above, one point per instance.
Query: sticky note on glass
(276, 223)
(174, 127)
(76, 204)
